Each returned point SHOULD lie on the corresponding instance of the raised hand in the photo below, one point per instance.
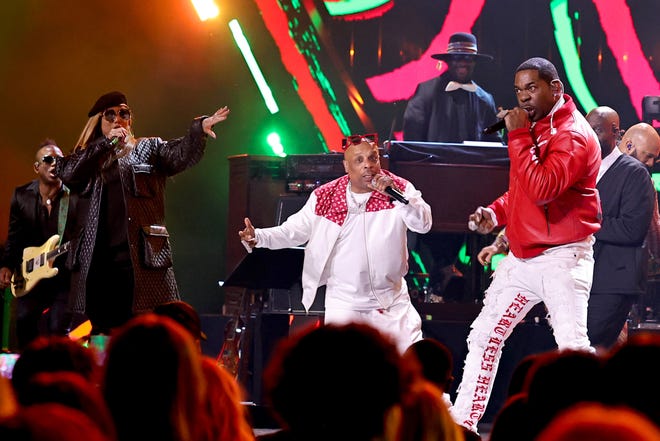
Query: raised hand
(247, 234)
(209, 122)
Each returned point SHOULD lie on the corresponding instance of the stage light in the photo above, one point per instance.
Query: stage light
(244, 46)
(275, 143)
(206, 9)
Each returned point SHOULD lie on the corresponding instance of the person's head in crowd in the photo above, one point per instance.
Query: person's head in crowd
(8, 404)
(334, 382)
(595, 422)
(559, 379)
(538, 87)
(434, 360)
(71, 390)
(462, 56)
(227, 417)
(424, 415)
(605, 122)
(52, 354)
(641, 141)
(520, 372)
(633, 376)
(153, 381)
(184, 314)
(512, 421)
(50, 422)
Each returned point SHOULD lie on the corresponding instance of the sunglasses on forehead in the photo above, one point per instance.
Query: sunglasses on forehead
(111, 116)
(358, 139)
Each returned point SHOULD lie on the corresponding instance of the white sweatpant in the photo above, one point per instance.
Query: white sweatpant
(561, 278)
(400, 322)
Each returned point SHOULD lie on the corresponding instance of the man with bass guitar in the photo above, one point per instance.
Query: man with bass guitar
(33, 264)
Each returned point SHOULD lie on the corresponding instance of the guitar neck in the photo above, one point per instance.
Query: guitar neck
(57, 251)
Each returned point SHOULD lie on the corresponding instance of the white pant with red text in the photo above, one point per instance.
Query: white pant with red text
(561, 278)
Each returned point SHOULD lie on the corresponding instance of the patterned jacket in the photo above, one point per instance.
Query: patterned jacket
(143, 174)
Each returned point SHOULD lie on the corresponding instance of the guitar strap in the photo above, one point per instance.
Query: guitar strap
(64, 209)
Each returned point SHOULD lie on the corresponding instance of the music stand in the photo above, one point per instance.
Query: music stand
(265, 269)
(258, 271)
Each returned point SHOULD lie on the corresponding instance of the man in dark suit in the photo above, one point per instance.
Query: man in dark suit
(39, 210)
(627, 200)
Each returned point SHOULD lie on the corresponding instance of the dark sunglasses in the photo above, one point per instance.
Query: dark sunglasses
(357, 139)
(49, 159)
(111, 116)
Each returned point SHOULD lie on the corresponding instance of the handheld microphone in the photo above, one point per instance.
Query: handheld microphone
(499, 125)
(396, 194)
(393, 193)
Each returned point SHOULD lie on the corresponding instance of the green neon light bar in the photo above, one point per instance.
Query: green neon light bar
(418, 260)
(244, 46)
(565, 43)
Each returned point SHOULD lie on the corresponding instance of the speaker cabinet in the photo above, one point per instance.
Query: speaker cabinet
(290, 300)
(258, 189)
(255, 184)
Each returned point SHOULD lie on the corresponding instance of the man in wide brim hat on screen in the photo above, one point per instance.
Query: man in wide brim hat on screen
(450, 108)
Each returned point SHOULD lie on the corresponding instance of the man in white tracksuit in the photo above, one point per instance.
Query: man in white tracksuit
(356, 244)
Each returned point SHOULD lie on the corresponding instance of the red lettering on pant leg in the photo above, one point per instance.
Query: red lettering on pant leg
(509, 315)
(481, 391)
(521, 299)
(488, 358)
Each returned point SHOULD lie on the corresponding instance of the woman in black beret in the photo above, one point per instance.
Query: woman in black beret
(121, 259)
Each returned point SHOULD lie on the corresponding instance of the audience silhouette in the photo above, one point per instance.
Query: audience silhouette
(153, 381)
(334, 382)
(595, 422)
(324, 382)
(227, 417)
(52, 354)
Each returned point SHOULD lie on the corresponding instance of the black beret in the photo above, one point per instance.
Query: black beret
(110, 99)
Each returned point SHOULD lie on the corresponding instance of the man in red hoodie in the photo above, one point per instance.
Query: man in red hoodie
(551, 212)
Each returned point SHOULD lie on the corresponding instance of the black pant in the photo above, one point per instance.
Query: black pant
(43, 311)
(606, 316)
(109, 292)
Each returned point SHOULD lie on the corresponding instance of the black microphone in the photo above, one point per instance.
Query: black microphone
(396, 194)
(499, 125)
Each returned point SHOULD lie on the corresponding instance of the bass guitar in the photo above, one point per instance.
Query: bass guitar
(37, 264)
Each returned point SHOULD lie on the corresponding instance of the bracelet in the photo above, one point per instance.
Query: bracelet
(502, 241)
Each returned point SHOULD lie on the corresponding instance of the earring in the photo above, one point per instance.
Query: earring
(629, 146)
